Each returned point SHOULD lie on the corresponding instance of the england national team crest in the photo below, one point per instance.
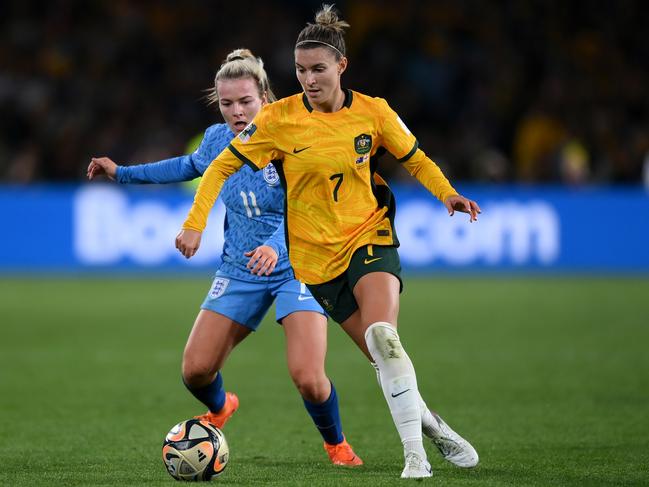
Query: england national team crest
(219, 286)
(363, 144)
(270, 175)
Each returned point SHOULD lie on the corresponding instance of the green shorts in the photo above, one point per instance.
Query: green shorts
(336, 296)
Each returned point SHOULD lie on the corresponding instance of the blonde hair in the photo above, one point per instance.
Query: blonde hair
(241, 64)
(328, 31)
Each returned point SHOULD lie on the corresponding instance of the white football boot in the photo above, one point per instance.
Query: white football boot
(452, 446)
(416, 467)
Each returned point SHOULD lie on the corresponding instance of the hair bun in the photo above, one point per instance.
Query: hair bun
(239, 54)
(328, 17)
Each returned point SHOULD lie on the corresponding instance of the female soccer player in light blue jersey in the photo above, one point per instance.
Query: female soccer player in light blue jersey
(255, 269)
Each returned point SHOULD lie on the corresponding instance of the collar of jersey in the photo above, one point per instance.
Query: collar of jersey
(348, 101)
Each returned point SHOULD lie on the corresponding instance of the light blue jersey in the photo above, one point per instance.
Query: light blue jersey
(254, 203)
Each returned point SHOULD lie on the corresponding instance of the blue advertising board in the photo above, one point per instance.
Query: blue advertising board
(106, 227)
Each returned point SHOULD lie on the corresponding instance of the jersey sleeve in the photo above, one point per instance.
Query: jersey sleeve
(402, 144)
(221, 168)
(395, 136)
(255, 145)
(278, 240)
(176, 169)
(429, 175)
(213, 142)
(166, 171)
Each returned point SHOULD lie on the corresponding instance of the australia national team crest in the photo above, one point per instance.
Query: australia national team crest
(219, 286)
(246, 133)
(363, 144)
(270, 175)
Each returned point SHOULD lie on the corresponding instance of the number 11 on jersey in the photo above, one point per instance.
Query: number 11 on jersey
(253, 203)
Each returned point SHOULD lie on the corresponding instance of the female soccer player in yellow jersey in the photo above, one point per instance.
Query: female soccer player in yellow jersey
(248, 281)
(339, 218)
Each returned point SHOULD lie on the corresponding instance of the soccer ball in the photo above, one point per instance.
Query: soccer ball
(195, 450)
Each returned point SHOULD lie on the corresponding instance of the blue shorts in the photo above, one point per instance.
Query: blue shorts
(246, 302)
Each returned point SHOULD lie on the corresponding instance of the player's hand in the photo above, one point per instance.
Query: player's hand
(465, 205)
(188, 241)
(262, 260)
(101, 165)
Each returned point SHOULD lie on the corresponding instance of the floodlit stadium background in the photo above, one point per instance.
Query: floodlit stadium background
(536, 109)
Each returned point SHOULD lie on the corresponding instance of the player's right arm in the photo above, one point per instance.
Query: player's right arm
(221, 168)
(253, 146)
(173, 170)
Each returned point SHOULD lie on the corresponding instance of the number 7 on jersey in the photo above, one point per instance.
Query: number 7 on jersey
(339, 177)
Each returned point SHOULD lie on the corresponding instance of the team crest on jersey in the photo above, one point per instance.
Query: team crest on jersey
(270, 175)
(219, 286)
(246, 133)
(363, 144)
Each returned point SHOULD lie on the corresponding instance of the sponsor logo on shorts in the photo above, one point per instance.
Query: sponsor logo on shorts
(369, 261)
(327, 304)
(219, 286)
(303, 290)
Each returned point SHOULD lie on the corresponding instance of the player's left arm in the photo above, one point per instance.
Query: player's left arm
(431, 176)
(262, 261)
(401, 143)
(278, 240)
(264, 258)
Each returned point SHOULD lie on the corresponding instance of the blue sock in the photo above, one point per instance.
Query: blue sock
(212, 395)
(327, 418)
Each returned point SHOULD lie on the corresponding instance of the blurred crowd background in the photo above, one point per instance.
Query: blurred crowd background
(500, 91)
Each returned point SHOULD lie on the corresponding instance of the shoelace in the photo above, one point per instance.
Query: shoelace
(413, 461)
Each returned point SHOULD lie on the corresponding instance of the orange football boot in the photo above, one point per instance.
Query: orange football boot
(228, 409)
(342, 454)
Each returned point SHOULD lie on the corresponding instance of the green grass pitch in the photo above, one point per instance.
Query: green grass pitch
(547, 377)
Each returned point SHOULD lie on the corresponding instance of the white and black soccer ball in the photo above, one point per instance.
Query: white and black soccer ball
(195, 450)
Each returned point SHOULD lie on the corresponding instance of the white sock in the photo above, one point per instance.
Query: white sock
(397, 379)
(428, 423)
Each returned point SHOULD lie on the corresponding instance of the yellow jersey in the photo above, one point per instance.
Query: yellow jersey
(335, 202)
